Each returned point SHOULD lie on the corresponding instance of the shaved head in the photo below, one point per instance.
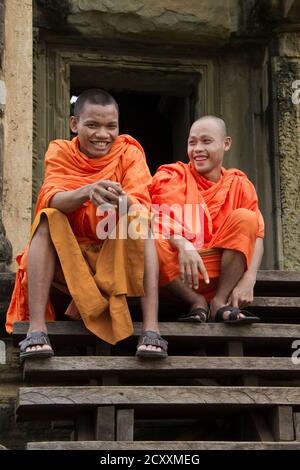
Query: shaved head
(207, 143)
(216, 121)
(93, 96)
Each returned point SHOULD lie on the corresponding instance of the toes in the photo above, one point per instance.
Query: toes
(38, 348)
(149, 348)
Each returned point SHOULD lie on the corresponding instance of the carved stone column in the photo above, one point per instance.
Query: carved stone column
(286, 118)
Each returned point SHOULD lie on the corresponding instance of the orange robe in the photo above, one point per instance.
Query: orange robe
(98, 274)
(231, 218)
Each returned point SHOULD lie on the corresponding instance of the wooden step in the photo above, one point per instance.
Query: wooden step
(159, 401)
(273, 282)
(162, 445)
(96, 367)
(75, 333)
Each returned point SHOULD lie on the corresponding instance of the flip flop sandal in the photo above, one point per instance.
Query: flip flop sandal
(154, 339)
(36, 338)
(196, 315)
(233, 318)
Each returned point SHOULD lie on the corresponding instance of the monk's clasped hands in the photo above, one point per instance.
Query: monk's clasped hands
(106, 192)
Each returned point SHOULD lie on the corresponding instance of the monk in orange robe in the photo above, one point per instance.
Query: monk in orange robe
(212, 268)
(87, 181)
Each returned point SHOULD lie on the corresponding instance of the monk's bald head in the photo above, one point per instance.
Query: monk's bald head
(207, 143)
(212, 122)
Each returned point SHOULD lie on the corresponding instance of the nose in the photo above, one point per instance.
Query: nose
(101, 132)
(199, 146)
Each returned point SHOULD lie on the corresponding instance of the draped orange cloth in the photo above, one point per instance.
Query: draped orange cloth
(98, 274)
(231, 217)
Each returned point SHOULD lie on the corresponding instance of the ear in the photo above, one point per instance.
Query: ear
(227, 143)
(73, 124)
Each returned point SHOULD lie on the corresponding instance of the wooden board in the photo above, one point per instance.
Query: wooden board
(87, 367)
(47, 401)
(163, 445)
(72, 333)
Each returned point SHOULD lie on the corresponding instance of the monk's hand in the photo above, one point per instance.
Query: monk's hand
(242, 294)
(106, 192)
(190, 264)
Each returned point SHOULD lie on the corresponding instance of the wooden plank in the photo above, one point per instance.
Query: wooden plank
(281, 419)
(105, 423)
(84, 427)
(38, 402)
(275, 276)
(91, 367)
(163, 445)
(125, 425)
(250, 380)
(271, 302)
(261, 428)
(235, 348)
(297, 426)
(62, 332)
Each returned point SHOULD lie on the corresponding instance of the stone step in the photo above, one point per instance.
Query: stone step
(54, 402)
(96, 367)
(162, 445)
(74, 333)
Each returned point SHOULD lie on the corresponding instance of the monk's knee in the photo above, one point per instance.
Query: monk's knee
(245, 219)
(43, 228)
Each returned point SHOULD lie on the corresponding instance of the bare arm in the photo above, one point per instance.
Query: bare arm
(69, 201)
(100, 192)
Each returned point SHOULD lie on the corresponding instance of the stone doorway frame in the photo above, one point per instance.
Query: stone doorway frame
(52, 66)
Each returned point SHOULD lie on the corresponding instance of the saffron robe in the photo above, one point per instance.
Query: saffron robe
(98, 274)
(231, 218)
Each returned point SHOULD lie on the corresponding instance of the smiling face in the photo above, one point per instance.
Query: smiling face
(206, 146)
(97, 128)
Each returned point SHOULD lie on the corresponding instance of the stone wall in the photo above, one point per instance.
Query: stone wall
(17, 165)
(187, 21)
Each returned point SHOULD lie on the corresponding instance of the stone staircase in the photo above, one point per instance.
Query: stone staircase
(222, 387)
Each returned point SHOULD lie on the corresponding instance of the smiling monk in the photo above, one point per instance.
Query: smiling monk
(97, 169)
(216, 276)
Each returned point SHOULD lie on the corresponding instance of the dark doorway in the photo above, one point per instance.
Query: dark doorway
(140, 117)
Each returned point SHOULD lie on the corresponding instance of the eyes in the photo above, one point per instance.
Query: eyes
(204, 141)
(92, 125)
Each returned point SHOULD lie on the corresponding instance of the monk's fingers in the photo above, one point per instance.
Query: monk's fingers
(107, 196)
(235, 300)
(202, 269)
(113, 185)
(188, 275)
(195, 276)
(99, 201)
(96, 198)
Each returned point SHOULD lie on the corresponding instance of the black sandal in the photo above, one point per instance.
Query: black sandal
(196, 315)
(36, 338)
(233, 318)
(154, 339)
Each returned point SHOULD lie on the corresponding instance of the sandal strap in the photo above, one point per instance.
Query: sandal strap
(201, 312)
(151, 338)
(36, 338)
(233, 315)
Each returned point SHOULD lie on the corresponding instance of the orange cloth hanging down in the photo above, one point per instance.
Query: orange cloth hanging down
(98, 274)
(231, 217)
